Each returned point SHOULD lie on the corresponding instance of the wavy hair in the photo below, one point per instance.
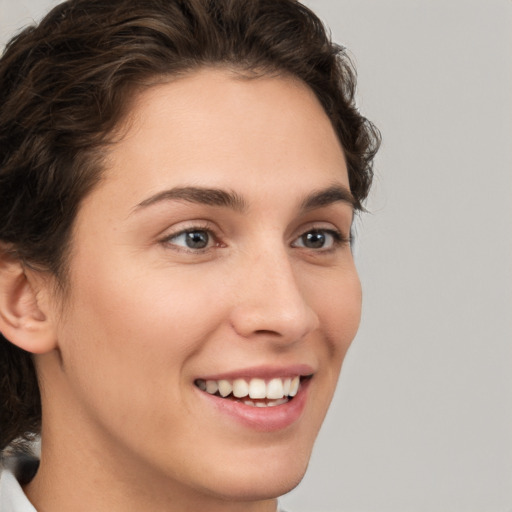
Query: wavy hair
(65, 85)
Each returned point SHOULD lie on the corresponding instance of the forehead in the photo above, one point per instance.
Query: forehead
(215, 128)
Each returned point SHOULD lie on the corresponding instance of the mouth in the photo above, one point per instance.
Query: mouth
(255, 392)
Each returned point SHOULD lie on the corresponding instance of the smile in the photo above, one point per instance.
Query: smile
(255, 392)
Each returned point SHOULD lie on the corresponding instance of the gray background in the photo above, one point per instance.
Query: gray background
(422, 419)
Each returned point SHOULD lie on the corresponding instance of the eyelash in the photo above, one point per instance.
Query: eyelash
(338, 239)
(192, 229)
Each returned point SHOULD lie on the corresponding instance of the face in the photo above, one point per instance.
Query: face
(213, 291)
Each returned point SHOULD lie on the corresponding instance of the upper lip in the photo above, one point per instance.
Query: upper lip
(262, 372)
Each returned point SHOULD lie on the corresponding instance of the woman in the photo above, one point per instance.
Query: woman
(178, 181)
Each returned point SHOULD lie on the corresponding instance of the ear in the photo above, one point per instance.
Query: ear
(24, 318)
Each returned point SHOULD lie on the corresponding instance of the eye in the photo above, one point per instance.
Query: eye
(195, 239)
(319, 239)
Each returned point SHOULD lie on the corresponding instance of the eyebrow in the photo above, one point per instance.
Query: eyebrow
(232, 200)
(199, 195)
(328, 196)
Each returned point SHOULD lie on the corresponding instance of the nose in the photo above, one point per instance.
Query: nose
(270, 302)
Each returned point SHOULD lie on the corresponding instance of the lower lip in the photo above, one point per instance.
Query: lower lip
(262, 419)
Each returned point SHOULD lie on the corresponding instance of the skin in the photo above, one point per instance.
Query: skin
(146, 316)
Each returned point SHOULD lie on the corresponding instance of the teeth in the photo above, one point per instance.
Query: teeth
(286, 386)
(211, 387)
(277, 389)
(272, 403)
(225, 388)
(257, 388)
(240, 388)
(294, 386)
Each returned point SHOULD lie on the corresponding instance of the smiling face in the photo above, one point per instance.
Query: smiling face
(212, 259)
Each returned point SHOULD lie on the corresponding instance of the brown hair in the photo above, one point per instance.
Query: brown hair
(63, 87)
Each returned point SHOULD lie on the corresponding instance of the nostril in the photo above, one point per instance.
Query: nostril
(268, 332)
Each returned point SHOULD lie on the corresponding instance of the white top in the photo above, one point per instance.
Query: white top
(12, 497)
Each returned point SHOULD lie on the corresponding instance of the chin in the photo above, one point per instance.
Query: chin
(262, 489)
(270, 478)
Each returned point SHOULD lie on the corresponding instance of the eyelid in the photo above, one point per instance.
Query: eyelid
(336, 236)
(339, 239)
(191, 226)
(325, 227)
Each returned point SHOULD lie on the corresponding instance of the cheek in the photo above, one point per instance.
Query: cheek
(129, 336)
(338, 306)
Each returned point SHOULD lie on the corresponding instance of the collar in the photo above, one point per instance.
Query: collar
(12, 497)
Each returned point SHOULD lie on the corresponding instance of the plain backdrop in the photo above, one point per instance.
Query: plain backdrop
(422, 418)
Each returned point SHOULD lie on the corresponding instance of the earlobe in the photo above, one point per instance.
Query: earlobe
(23, 319)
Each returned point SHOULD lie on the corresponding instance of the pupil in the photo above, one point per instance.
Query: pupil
(314, 240)
(197, 239)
